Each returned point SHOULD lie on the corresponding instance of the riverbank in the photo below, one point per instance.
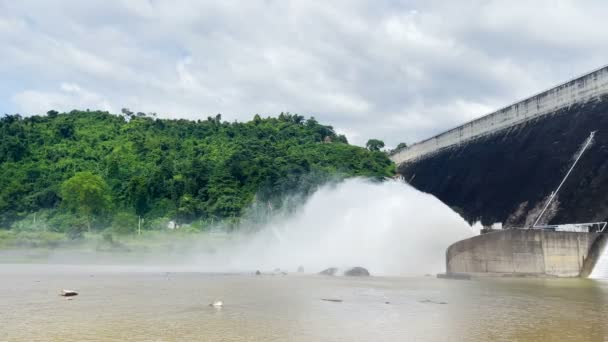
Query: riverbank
(156, 246)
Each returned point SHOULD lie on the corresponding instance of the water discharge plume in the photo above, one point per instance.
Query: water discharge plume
(600, 270)
(389, 228)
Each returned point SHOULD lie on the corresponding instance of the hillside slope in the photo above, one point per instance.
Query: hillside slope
(179, 169)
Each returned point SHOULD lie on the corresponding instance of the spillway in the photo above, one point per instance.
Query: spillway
(600, 271)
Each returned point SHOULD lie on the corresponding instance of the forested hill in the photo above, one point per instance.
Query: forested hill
(96, 165)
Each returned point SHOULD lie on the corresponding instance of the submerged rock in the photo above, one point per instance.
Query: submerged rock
(332, 300)
(357, 272)
(428, 301)
(330, 271)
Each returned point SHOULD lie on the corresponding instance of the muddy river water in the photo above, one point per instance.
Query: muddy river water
(134, 304)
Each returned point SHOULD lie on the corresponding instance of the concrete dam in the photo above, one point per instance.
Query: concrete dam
(504, 167)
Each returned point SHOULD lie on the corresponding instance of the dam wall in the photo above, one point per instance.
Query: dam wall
(507, 176)
(524, 252)
(577, 91)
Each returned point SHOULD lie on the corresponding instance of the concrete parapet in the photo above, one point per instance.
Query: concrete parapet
(517, 252)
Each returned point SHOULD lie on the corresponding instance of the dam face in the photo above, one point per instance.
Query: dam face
(503, 166)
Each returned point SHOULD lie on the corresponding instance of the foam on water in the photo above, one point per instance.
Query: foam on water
(389, 228)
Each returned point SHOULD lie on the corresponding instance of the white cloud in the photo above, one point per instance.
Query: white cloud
(69, 96)
(399, 71)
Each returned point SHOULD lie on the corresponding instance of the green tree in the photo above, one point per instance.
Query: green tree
(374, 144)
(137, 194)
(124, 223)
(401, 146)
(86, 194)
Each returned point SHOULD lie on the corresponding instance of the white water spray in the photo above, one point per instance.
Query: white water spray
(389, 228)
(600, 270)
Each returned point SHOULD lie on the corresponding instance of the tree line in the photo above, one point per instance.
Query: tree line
(89, 170)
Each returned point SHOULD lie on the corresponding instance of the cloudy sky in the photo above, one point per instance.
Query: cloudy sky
(388, 69)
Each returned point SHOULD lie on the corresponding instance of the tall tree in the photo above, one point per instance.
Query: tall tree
(374, 144)
(401, 146)
(86, 194)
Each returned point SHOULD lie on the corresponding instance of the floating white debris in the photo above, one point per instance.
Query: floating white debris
(217, 304)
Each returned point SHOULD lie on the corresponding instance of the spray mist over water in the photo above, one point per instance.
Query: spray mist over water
(389, 228)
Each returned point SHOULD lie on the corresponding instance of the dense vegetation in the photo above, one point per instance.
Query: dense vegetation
(86, 170)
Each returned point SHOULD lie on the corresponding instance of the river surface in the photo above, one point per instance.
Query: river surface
(135, 304)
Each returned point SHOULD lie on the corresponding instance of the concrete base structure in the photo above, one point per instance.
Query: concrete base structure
(529, 252)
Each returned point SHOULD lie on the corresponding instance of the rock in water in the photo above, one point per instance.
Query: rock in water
(258, 272)
(301, 269)
(330, 271)
(68, 293)
(357, 272)
(332, 300)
